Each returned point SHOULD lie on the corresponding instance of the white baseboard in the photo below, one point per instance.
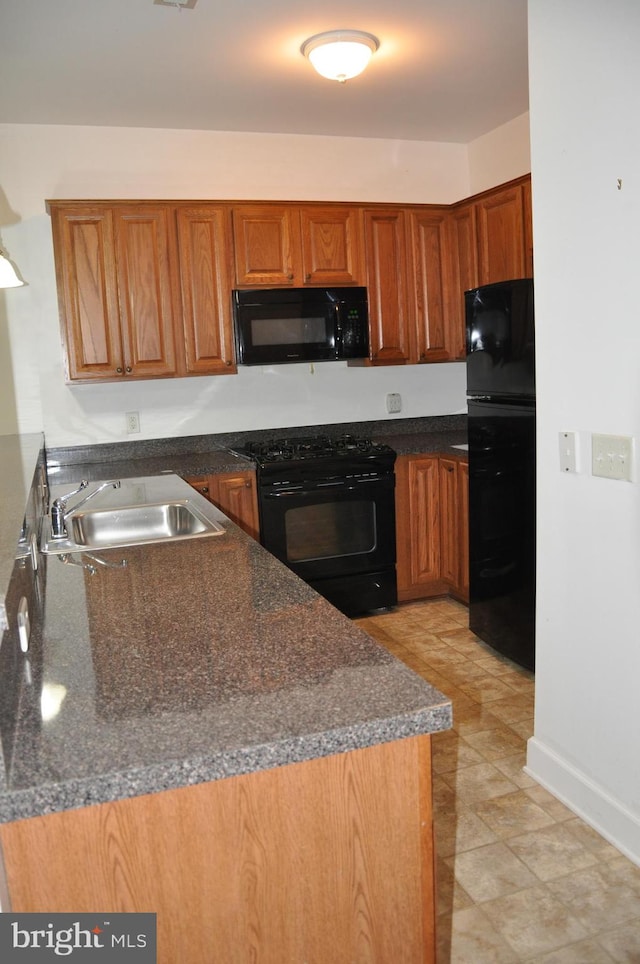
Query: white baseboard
(586, 799)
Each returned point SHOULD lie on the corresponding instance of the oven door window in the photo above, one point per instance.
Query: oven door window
(325, 530)
(330, 530)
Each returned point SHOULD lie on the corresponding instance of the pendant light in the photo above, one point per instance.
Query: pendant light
(340, 54)
(8, 276)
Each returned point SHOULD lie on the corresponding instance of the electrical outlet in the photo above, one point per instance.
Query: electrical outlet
(133, 422)
(567, 446)
(394, 403)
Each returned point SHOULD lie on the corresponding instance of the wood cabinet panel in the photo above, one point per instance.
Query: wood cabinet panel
(87, 292)
(418, 527)
(428, 251)
(327, 860)
(463, 529)
(448, 493)
(265, 237)
(331, 245)
(432, 527)
(389, 312)
(462, 263)
(146, 286)
(501, 241)
(203, 243)
(236, 494)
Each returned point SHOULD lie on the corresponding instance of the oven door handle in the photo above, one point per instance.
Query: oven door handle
(342, 485)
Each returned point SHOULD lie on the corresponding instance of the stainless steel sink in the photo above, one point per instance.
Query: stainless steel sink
(100, 528)
(143, 510)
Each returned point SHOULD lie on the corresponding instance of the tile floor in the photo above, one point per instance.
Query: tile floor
(520, 877)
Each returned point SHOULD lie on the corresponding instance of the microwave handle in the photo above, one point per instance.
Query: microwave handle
(339, 338)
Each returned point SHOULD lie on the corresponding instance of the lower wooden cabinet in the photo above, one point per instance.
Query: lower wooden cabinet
(235, 494)
(431, 526)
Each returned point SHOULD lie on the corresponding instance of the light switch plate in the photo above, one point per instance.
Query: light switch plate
(611, 456)
(394, 403)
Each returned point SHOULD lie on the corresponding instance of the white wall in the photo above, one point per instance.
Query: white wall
(39, 162)
(585, 135)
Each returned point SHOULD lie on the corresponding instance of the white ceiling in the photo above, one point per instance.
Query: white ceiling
(446, 70)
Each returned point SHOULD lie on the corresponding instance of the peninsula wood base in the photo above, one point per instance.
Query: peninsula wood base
(328, 860)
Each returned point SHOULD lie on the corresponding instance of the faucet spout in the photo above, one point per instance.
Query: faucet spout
(60, 514)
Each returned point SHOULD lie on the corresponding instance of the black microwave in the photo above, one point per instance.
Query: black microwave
(276, 325)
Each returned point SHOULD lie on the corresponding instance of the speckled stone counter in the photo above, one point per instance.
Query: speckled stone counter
(211, 454)
(19, 458)
(197, 661)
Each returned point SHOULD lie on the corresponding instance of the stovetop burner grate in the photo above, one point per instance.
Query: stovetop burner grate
(312, 447)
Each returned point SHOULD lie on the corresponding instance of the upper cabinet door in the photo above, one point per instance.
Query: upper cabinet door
(428, 248)
(265, 238)
(205, 279)
(462, 266)
(501, 244)
(146, 287)
(331, 245)
(87, 292)
(389, 311)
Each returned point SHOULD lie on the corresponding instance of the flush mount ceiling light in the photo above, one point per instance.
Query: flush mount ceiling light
(340, 54)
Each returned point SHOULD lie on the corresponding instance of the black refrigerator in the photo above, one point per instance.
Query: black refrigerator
(502, 466)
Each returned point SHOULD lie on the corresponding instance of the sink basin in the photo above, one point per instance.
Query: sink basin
(142, 511)
(132, 525)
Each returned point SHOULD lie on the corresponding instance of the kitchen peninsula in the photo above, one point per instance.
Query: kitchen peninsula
(198, 734)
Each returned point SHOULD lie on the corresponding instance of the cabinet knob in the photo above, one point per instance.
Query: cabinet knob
(307, 277)
(205, 490)
(119, 371)
(290, 276)
(128, 370)
(248, 484)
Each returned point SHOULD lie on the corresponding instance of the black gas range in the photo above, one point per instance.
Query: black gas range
(317, 455)
(327, 510)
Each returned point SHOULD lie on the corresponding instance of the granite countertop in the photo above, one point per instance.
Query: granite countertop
(197, 661)
(18, 462)
(211, 454)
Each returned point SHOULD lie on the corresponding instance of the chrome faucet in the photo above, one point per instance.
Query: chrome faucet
(60, 514)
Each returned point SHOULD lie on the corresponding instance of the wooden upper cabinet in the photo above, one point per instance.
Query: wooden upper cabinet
(501, 239)
(428, 251)
(331, 245)
(87, 292)
(205, 283)
(146, 290)
(265, 237)
(292, 244)
(462, 265)
(528, 227)
(390, 314)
